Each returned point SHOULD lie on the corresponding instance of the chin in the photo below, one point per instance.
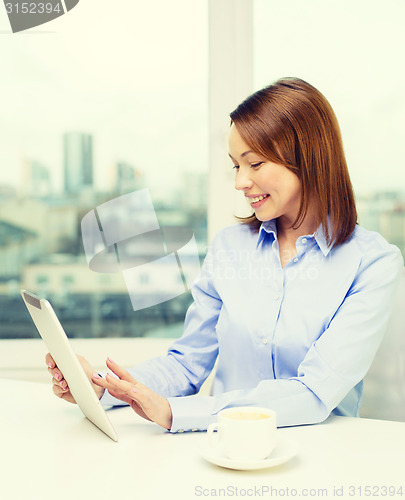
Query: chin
(263, 217)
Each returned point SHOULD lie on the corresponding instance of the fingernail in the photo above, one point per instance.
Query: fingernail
(96, 375)
(50, 364)
(134, 390)
(110, 360)
(57, 376)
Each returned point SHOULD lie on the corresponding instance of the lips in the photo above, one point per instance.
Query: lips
(255, 199)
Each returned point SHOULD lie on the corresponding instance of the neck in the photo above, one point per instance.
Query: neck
(289, 234)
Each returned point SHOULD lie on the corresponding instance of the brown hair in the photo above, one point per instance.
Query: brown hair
(290, 122)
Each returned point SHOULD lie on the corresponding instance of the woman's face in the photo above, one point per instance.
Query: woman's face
(272, 190)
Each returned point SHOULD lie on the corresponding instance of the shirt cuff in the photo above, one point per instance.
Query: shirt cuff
(192, 413)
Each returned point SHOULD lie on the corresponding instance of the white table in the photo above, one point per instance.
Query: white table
(50, 451)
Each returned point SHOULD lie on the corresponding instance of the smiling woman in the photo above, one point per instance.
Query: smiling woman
(293, 129)
(291, 306)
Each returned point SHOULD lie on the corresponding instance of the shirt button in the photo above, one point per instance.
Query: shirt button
(296, 259)
(264, 341)
(276, 297)
(194, 430)
(180, 430)
(304, 240)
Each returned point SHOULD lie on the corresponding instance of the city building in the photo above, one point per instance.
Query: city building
(17, 246)
(54, 221)
(124, 178)
(78, 162)
(36, 179)
(384, 212)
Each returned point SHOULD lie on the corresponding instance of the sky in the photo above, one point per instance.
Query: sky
(131, 73)
(134, 74)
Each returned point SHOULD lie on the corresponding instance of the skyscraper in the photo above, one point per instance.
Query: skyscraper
(36, 179)
(125, 178)
(78, 162)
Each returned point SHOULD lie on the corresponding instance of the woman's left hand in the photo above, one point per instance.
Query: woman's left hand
(145, 402)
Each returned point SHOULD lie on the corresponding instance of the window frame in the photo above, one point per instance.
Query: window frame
(230, 52)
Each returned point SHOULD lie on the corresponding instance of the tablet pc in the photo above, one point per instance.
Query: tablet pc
(58, 345)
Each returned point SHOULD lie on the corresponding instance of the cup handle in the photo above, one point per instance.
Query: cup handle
(214, 438)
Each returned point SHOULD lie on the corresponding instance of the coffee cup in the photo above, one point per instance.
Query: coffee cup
(244, 433)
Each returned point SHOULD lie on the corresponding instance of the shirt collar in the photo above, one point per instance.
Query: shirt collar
(269, 228)
(320, 236)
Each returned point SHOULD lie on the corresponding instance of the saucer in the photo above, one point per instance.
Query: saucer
(284, 450)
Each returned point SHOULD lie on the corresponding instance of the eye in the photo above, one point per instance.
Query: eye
(236, 167)
(257, 165)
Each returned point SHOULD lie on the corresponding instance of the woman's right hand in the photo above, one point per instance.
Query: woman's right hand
(60, 386)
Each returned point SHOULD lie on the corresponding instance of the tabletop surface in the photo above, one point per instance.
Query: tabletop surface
(49, 450)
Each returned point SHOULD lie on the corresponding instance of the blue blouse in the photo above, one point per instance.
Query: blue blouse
(297, 339)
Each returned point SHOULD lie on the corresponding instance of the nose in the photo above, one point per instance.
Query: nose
(243, 181)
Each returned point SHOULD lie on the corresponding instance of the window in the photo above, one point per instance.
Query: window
(122, 105)
(350, 51)
(99, 107)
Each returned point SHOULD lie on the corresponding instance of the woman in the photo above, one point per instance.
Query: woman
(292, 302)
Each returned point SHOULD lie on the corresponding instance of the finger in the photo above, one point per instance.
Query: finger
(111, 383)
(62, 393)
(57, 391)
(121, 397)
(137, 392)
(120, 394)
(59, 380)
(56, 374)
(118, 385)
(119, 371)
(50, 361)
(124, 391)
(103, 383)
(63, 385)
(98, 380)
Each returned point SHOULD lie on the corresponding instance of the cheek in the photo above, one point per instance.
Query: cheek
(295, 193)
(292, 185)
(267, 182)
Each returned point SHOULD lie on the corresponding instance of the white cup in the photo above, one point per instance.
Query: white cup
(244, 433)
